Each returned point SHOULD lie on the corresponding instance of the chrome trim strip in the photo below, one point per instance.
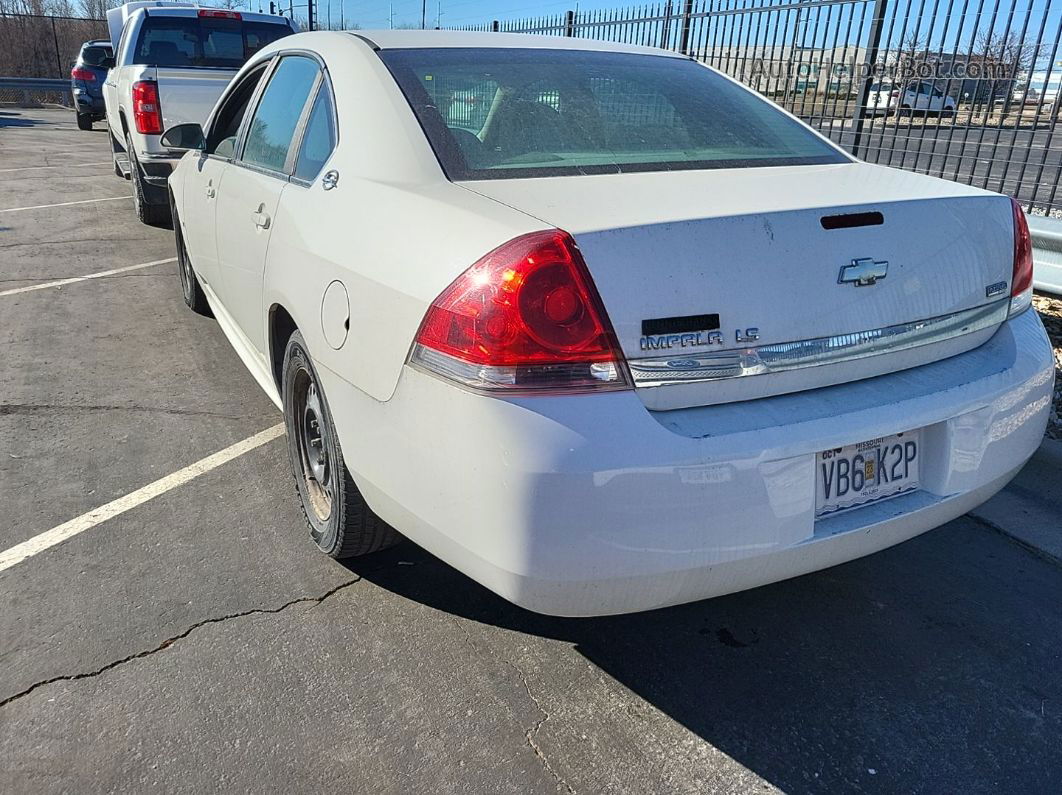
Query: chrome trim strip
(778, 357)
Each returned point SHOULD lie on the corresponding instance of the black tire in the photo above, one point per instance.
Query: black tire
(190, 287)
(340, 522)
(84, 121)
(150, 214)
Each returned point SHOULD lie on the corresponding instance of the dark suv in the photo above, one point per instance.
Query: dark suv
(86, 78)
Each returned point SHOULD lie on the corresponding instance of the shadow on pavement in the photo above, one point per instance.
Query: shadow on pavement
(934, 664)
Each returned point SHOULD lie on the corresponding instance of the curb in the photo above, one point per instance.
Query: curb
(1028, 510)
(1050, 453)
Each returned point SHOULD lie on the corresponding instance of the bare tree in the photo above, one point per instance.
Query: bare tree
(95, 9)
(1003, 60)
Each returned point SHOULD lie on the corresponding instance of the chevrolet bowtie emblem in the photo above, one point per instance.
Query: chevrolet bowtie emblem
(864, 272)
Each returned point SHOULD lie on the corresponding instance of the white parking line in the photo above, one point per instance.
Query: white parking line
(59, 534)
(72, 279)
(68, 165)
(64, 204)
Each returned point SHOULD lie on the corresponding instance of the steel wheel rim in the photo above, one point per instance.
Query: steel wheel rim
(314, 442)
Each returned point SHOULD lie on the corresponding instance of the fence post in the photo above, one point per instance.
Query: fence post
(494, 26)
(687, 13)
(876, 24)
(569, 23)
(665, 28)
(55, 41)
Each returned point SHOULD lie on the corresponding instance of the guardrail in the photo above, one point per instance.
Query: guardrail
(28, 86)
(1047, 253)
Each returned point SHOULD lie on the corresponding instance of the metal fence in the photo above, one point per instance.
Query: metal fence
(967, 90)
(44, 46)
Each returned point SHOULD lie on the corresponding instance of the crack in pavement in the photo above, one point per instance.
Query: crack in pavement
(70, 241)
(531, 732)
(316, 600)
(34, 408)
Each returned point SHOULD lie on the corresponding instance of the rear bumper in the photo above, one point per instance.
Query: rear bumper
(157, 167)
(87, 103)
(591, 505)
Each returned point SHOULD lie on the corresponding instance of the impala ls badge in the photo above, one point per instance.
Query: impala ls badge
(863, 272)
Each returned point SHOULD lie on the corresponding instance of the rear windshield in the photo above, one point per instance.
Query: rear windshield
(203, 41)
(499, 113)
(94, 54)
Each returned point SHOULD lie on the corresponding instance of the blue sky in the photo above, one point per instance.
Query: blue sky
(940, 24)
(374, 13)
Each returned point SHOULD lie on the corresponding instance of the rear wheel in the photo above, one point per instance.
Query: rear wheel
(190, 287)
(151, 214)
(84, 121)
(340, 522)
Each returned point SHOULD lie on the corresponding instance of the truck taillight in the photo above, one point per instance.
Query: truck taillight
(524, 318)
(147, 115)
(81, 73)
(1021, 288)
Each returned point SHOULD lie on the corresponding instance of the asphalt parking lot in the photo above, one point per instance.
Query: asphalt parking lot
(198, 641)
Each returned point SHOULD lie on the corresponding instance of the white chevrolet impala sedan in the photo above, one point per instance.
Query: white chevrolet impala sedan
(595, 324)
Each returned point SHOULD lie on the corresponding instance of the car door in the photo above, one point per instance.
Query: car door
(203, 180)
(925, 97)
(247, 199)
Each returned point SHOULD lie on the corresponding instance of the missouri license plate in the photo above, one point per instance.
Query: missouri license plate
(860, 473)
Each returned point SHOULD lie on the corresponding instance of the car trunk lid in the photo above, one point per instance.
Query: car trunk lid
(733, 284)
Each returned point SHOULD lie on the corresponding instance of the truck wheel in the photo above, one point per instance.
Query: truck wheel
(84, 121)
(340, 522)
(190, 287)
(151, 214)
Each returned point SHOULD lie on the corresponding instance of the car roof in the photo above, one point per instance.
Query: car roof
(97, 43)
(422, 39)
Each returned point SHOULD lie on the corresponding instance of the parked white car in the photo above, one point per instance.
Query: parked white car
(1039, 88)
(172, 63)
(640, 338)
(919, 97)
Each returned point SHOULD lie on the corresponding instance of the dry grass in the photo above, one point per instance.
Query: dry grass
(1050, 310)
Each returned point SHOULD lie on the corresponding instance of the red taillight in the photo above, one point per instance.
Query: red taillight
(221, 14)
(894, 94)
(525, 316)
(147, 115)
(1022, 276)
(81, 73)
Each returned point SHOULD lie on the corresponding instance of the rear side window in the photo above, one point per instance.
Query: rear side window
(501, 113)
(273, 125)
(221, 139)
(202, 41)
(319, 139)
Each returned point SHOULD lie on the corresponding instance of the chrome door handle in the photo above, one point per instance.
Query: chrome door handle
(261, 218)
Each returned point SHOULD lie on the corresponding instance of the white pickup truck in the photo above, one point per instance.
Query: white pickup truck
(172, 62)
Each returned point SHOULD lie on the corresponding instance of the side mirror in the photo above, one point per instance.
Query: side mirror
(183, 136)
